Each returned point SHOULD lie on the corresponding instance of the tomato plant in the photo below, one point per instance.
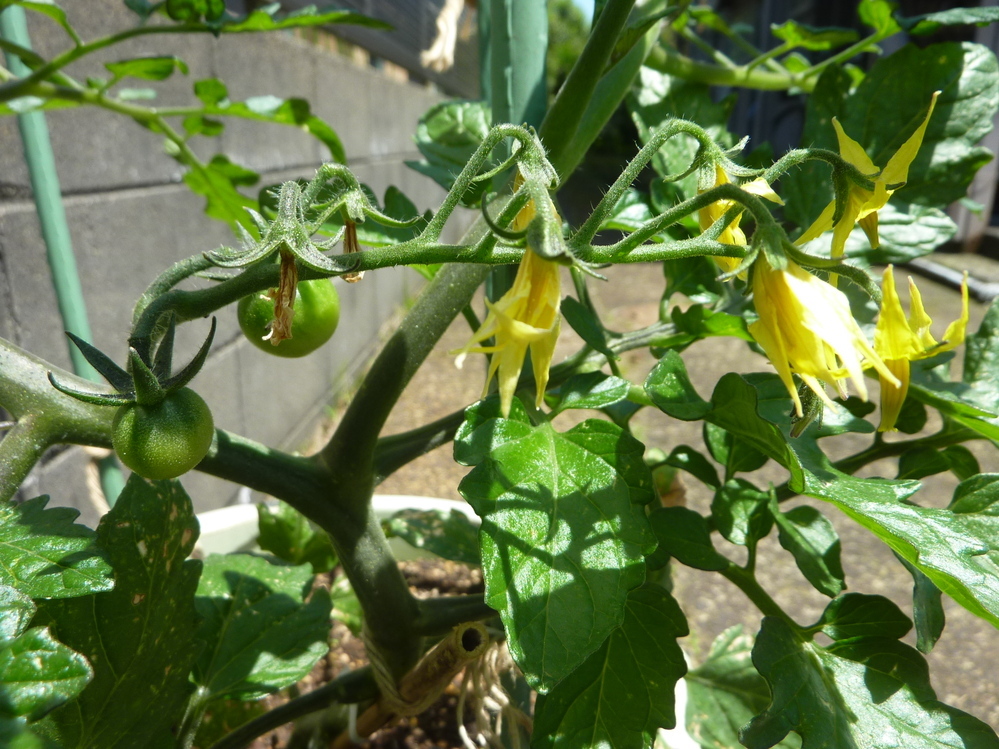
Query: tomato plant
(316, 316)
(165, 440)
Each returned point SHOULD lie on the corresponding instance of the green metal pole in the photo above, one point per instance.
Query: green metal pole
(55, 230)
(516, 49)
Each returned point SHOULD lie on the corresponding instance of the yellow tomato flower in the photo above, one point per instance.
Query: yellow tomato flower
(806, 328)
(732, 233)
(527, 316)
(863, 205)
(899, 341)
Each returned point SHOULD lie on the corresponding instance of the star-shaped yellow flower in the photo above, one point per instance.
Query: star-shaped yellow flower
(732, 233)
(806, 328)
(527, 316)
(899, 341)
(862, 205)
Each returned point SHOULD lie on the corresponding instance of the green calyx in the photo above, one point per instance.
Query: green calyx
(145, 383)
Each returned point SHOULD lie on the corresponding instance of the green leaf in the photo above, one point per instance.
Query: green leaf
(585, 323)
(16, 734)
(700, 322)
(741, 512)
(157, 68)
(695, 464)
(735, 454)
(881, 115)
(814, 543)
(623, 692)
(694, 277)
(956, 548)
(139, 637)
(906, 231)
(217, 181)
(683, 534)
(922, 462)
(927, 609)
(859, 615)
(48, 8)
(810, 37)
(293, 112)
(853, 696)
(447, 136)
(670, 389)
(448, 535)
(485, 429)
(261, 634)
(44, 554)
(592, 390)
(563, 534)
(37, 673)
(287, 534)
(878, 15)
(930, 23)
(725, 692)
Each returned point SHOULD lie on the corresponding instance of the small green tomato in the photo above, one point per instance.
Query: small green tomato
(165, 440)
(316, 316)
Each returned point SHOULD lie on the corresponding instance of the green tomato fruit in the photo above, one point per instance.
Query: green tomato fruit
(317, 313)
(165, 440)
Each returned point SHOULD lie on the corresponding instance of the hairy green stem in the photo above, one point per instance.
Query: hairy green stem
(673, 63)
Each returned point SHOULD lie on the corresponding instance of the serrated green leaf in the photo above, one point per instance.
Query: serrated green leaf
(38, 674)
(592, 390)
(725, 692)
(288, 534)
(260, 632)
(880, 115)
(157, 68)
(485, 429)
(447, 136)
(814, 544)
(683, 534)
(212, 92)
(859, 615)
(139, 637)
(623, 692)
(670, 388)
(16, 734)
(700, 322)
(44, 554)
(930, 23)
(216, 181)
(16, 610)
(562, 537)
(741, 512)
(906, 231)
(848, 697)
(921, 462)
(448, 535)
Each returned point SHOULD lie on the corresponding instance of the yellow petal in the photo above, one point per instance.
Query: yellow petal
(892, 395)
(893, 337)
(852, 151)
(820, 226)
(919, 321)
(762, 188)
(954, 335)
(897, 168)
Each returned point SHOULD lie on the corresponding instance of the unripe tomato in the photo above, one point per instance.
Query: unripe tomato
(165, 440)
(316, 315)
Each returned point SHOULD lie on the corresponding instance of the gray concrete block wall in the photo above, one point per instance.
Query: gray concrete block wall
(130, 218)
